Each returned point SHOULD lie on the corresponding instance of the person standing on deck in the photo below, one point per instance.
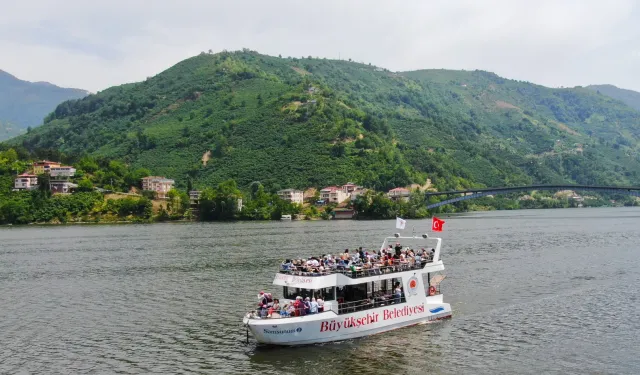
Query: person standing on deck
(307, 306)
(298, 306)
(398, 249)
(397, 294)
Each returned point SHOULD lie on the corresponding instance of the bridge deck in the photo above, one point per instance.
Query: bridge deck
(477, 193)
(534, 187)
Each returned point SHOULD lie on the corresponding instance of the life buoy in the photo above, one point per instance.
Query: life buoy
(432, 290)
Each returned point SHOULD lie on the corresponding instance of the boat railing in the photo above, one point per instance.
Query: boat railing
(372, 303)
(337, 307)
(360, 270)
(281, 314)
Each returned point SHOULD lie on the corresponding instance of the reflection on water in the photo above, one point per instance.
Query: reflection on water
(550, 291)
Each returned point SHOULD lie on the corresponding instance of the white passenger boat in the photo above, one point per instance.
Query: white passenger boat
(285, 217)
(357, 301)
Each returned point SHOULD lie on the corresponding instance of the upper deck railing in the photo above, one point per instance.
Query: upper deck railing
(358, 271)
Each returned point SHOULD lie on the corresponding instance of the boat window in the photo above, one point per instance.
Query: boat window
(349, 293)
(291, 292)
(326, 294)
(368, 295)
(358, 292)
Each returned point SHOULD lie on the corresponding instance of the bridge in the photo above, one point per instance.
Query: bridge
(483, 192)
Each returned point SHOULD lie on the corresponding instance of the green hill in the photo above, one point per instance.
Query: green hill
(312, 122)
(24, 104)
(629, 97)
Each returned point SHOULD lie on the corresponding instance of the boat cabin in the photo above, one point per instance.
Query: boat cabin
(390, 277)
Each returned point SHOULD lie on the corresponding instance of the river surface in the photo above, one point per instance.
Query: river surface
(536, 291)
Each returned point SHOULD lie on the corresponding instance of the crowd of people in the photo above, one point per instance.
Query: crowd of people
(269, 307)
(390, 259)
(362, 261)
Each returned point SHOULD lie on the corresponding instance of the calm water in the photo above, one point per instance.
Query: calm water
(553, 291)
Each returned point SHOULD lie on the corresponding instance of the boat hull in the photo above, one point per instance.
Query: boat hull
(329, 326)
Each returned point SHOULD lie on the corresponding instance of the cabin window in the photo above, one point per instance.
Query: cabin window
(349, 293)
(327, 294)
(291, 292)
(364, 296)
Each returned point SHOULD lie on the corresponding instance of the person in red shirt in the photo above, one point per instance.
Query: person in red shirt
(299, 306)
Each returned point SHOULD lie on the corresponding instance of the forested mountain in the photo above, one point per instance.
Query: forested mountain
(629, 97)
(289, 122)
(24, 104)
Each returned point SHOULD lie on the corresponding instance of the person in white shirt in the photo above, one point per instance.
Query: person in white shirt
(313, 306)
(320, 303)
(397, 294)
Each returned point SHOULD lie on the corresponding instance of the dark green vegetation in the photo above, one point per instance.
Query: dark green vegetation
(629, 97)
(115, 199)
(314, 122)
(39, 206)
(379, 206)
(25, 104)
(222, 203)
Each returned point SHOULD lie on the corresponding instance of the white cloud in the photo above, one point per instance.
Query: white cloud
(96, 44)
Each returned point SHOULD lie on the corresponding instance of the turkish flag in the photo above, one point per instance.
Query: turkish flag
(436, 224)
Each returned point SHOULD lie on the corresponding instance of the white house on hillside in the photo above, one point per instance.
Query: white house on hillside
(26, 181)
(399, 194)
(292, 195)
(160, 185)
(62, 171)
(333, 194)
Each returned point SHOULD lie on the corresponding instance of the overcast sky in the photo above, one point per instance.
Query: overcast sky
(96, 44)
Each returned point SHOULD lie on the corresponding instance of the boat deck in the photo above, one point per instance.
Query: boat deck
(359, 271)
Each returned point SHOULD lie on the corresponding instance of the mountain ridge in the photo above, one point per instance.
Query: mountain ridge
(24, 104)
(629, 97)
(290, 122)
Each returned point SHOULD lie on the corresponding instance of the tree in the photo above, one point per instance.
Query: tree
(338, 149)
(44, 185)
(85, 185)
(220, 203)
(88, 164)
(14, 212)
(10, 156)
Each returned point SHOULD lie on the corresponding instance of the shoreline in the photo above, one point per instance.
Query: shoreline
(127, 222)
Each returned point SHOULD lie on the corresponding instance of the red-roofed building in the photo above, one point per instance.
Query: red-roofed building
(43, 166)
(349, 187)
